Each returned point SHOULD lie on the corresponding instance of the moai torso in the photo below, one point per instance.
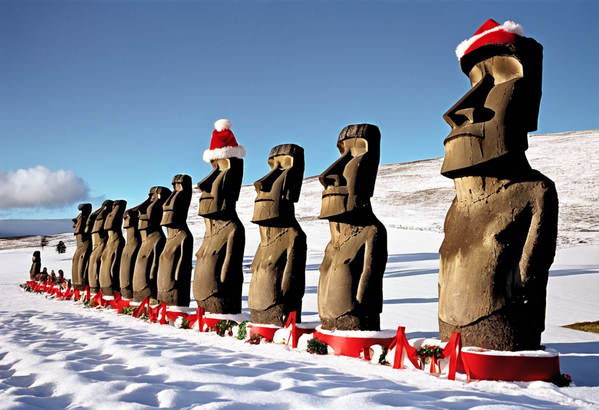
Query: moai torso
(79, 271)
(278, 269)
(218, 276)
(111, 256)
(130, 251)
(153, 240)
(174, 271)
(350, 289)
(36, 266)
(99, 239)
(501, 229)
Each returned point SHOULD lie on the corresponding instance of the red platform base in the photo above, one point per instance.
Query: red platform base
(354, 343)
(266, 331)
(527, 366)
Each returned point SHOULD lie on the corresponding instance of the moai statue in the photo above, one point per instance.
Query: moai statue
(79, 272)
(131, 220)
(218, 276)
(279, 266)
(36, 266)
(152, 243)
(174, 270)
(110, 267)
(500, 231)
(99, 239)
(350, 288)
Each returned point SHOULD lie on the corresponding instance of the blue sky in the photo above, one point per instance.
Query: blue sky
(105, 99)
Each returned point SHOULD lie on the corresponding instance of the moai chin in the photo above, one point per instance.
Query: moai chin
(130, 251)
(174, 269)
(279, 266)
(111, 256)
(350, 288)
(218, 276)
(36, 265)
(145, 274)
(501, 229)
(99, 239)
(79, 271)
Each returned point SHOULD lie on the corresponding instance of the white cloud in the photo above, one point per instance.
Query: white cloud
(40, 187)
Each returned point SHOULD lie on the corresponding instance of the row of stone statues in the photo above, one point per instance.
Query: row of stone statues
(500, 232)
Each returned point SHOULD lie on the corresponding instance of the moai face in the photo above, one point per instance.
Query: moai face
(220, 189)
(131, 218)
(280, 188)
(176, 206)
(80, 222)
(349, 182)
(101, 216)
(36, 256)
(114, 219)
(150, 211)
(502, 106)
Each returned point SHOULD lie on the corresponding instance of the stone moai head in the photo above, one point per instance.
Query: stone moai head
(131, 218)
(114, 219)
(349, 182)
(280, 188)
(36, 257)
(174, 210)
(80, 222)
(220, 189)
(101, 215)
(91, 221)
(494, 117)
(150, 211)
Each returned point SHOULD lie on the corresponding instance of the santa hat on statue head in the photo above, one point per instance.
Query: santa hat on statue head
(490, 33)
(223, 144)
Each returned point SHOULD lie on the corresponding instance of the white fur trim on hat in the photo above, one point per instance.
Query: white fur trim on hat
(222, 124)
(225, 152)
(508, 26)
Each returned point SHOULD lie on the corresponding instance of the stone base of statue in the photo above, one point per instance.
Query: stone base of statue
(175, 297)
(79, 287)
(127, 293)
(140, 295)
(352, 322)
(354, 343)
(94, 290)
(220, 305)
(496, 332)
(276, 315)
(108, 291)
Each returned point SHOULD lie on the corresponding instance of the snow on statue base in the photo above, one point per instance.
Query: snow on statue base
(523, 366)
(354, 343)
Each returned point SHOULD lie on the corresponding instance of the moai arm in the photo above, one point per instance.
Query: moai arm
(370, 287)
(539, 248)
(158, 247)
(182, 255)
(228, 258)
(296, 259)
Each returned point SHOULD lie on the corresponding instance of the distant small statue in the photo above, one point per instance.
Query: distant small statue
(174, 270)
(79, 271)
(110, 268)
(145, 275)
(501, 229)
(129, 256)
(218, 277)
(350, 288)
(99, 239)
(279, 266)
(36, 266)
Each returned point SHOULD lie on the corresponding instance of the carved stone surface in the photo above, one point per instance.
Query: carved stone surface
(146, 265)
(174, 270)
(350, 288)
(111, 256)
(79, 271)
(279, 265)
(99, 239)
(218, 276)
(36, 266)
(130, 251)
(501, 229)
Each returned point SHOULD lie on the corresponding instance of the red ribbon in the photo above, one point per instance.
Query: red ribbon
(291, 321)
(401, 344)
(452, 349)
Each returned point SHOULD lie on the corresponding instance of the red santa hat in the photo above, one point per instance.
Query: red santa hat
(490, 33)
(223, 144)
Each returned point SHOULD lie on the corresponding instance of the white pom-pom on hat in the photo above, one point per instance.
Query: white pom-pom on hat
(222, 124)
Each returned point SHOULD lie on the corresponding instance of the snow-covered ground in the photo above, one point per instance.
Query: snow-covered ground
(56, 354)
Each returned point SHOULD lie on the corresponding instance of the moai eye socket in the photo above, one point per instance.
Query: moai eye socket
(501, 68)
